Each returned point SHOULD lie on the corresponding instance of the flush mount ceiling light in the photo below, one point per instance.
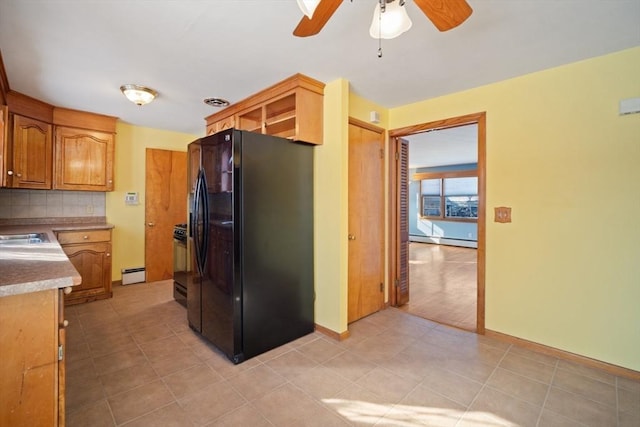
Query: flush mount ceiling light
(308, 7)
(216, 102)
(390, 19)
(139, 95)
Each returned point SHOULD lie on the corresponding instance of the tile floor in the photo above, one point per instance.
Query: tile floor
(133, 361)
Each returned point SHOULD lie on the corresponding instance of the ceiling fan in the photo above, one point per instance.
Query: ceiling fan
(444, 14)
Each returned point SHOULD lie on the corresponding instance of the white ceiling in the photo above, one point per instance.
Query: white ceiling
(444, 147)
(77, 53)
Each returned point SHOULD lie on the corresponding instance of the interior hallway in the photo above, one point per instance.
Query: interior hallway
(443, 284)
(133, 361)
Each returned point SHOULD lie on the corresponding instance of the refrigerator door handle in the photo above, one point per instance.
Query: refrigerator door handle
(199, 233)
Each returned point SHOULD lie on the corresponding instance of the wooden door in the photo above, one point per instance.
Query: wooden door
(366, 220)
(402, 281)
(165, 206)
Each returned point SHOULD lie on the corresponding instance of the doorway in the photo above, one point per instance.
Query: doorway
(399, 258)
(165, 206)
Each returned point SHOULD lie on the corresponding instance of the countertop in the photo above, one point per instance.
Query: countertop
(38, 267)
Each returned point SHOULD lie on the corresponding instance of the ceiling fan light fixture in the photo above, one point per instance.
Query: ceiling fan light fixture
(308, 7)
(390, 23)
(139, 95)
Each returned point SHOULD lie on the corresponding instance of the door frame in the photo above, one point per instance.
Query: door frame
(393, 214)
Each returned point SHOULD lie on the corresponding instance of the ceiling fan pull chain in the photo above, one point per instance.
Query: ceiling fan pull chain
(383, 7)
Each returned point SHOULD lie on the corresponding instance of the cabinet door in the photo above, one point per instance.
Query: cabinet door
(4, 140)
(83, 159)
(30, 154)
(194, 165)
(93, 262)
(29, 368)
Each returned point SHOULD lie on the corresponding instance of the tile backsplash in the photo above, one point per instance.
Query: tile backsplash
(18, 203)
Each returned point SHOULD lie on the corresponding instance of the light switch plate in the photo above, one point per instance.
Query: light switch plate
(502, 214)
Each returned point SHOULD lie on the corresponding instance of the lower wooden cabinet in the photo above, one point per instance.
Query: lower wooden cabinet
(90, 253)
(32, 368)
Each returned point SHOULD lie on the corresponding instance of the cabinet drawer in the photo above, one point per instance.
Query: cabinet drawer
(84, 236)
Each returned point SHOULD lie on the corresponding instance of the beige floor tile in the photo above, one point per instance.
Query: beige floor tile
(629, 401)
(321, 382)
(162, 347)
(428, 408)
(551, 419)
(257, 381)
(585, 386)
(453, 386)
(538, 357)
(628, 420)
(191, 380)
(526, 367)
(118, 361)
(320, 350)
(170, 415)
(288, 406)
(473, 369)
(128, 378)
(246, 415)
(388, 385)
(211, 403)
(112, 344)
(291, 364)
(151, 333)
(504, 409)
(82, 391)
(96, 415)
(629, 384)
(349, 365)
(580, 409)
(518, 386)
(586, 371)
(181, 359)
(139, 401)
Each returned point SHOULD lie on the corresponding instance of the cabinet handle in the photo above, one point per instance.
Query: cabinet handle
(108, 254)
(18, 175)
(352, 237)
(85, 237)
(67, 290)
(64, 323)
(151, 224)
(9, 173)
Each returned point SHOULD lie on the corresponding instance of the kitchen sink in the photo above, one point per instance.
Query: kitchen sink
(23, 239)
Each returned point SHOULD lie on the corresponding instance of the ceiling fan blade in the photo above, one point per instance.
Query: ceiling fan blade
(310, 27)
(445, 14)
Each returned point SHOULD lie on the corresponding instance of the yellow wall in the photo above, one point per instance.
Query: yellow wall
(128, 234)
(566, 272)
(330, 210)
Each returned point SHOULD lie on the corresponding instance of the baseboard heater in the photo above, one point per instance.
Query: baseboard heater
(133, 275)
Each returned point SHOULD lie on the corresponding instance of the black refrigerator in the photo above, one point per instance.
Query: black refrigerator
(250, 286)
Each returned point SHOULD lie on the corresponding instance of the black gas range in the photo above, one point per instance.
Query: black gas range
(180, 263)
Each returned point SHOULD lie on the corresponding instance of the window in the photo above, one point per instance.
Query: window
(450, 198)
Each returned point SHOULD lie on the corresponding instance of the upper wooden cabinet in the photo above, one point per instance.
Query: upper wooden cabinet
(49, 147)
(28, 162)
(84, 159)
(84, 150)
(289, 109)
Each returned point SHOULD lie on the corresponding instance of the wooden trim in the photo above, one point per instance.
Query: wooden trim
(366, 125)
(339, 336)
(451, 174)
(4, 82)
(29, 107)
(294, 82)
(116, 283)
(439, 124)
(480, 120)
(84, 120)
(565, 355)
